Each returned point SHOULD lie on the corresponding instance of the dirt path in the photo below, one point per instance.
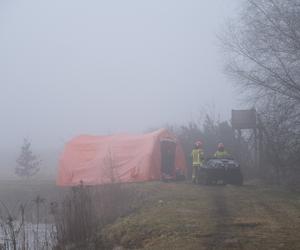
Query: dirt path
(183, 216)
(255, 218)
(222, 236)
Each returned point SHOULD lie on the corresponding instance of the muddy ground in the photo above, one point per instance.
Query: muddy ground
(184, 216)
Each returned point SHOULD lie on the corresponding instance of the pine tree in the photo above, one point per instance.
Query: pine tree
(28, 164)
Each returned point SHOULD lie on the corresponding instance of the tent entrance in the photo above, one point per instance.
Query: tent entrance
(168, 152)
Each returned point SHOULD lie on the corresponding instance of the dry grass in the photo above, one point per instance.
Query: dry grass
(86, 210)
(170, 216)
(175, 215)
(182, 216)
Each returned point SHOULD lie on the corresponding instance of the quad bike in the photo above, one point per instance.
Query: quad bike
(224, 170)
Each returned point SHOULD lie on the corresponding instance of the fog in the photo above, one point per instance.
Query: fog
(99, 67)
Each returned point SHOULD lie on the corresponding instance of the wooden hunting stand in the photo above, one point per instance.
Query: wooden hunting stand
(247, 119)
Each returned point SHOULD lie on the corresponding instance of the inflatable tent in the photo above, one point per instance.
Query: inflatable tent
(94, 160)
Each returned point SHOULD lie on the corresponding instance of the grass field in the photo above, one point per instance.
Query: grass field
(185, 216)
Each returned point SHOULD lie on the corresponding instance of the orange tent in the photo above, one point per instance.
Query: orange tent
(94, 160)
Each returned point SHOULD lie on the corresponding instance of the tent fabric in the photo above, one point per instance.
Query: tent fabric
(94, 160)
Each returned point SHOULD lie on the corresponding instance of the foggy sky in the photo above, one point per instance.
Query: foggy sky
(96, 67)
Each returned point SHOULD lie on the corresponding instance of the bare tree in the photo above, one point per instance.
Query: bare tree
(263, 52)
(264, 48)
(281, 139)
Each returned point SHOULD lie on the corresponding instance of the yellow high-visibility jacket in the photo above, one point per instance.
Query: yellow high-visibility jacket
(198, 157)
(221, 154)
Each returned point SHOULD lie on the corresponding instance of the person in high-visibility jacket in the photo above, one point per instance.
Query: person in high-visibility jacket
(197, 158)
(221, 152)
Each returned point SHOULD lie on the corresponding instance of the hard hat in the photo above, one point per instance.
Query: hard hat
(220, 145)
(198, 144)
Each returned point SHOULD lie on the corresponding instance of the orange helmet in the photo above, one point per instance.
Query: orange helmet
(198, 144)
(220, 146)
